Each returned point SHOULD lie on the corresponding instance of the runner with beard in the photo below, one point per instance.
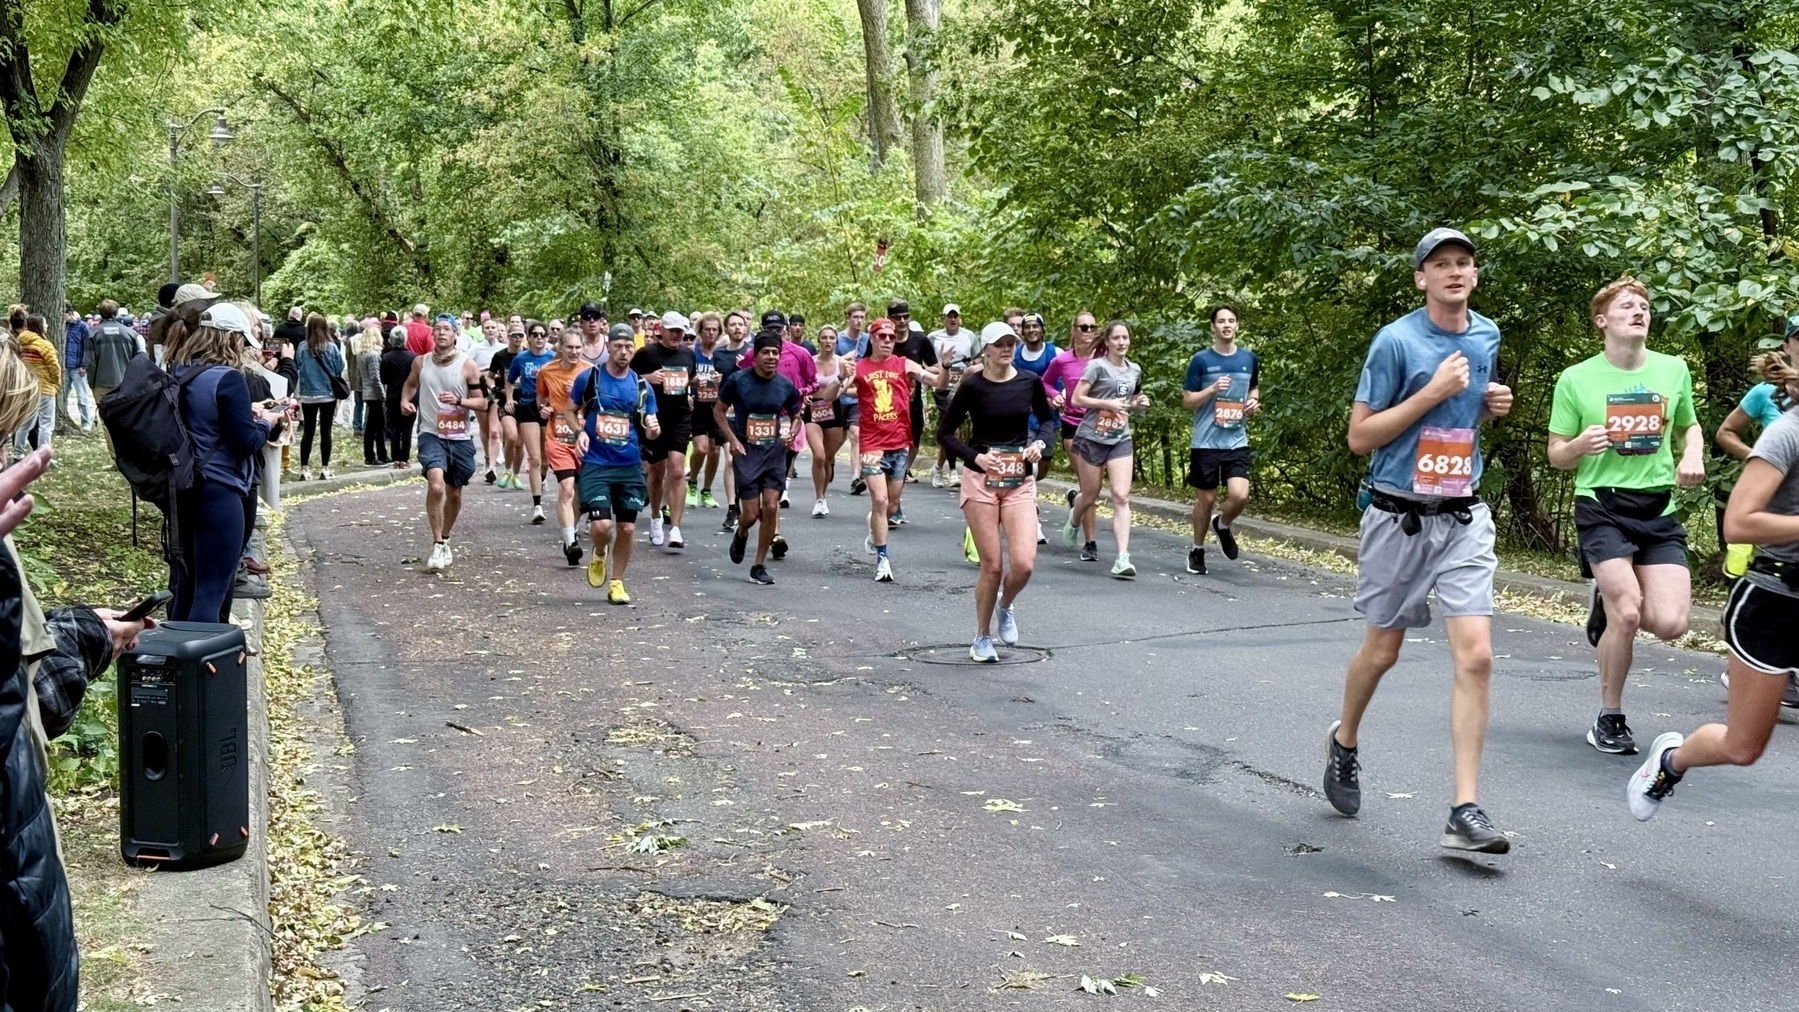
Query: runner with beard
(561, 433)
(441, 390)
(612, 403)
(765, 408)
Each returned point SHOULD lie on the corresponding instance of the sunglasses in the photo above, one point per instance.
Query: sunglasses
(520, 333)
(538, 333)
(1086, 327)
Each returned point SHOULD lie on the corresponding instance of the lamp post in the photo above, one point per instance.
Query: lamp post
(219, 134)
(255, 189)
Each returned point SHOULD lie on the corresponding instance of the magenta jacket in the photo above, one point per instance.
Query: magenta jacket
(1063, 374)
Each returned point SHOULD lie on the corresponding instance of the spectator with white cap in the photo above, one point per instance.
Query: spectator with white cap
(955, 347)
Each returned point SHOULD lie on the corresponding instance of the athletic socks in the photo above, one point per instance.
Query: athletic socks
(568, 535)
(881, 550)
(1610, 711)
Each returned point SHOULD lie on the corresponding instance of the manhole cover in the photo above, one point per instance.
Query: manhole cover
(958, 654)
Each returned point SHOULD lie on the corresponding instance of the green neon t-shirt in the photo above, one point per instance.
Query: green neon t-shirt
(1640, 410)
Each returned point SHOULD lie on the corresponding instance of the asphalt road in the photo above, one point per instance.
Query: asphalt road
(1163, 738)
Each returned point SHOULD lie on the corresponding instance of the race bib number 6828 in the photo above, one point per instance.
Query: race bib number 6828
(1445, 462)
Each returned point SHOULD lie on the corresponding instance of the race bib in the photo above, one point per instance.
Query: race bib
(824, 411)
(871, 465)
(674, 384)
(762, 430)
(1110, 423)
(1008, 469)
(452, 423)
(705, 387)
(565, 429)
(612, 427)
(1445, 463)
(1227, 413)
(787, 431)
(1634, 422)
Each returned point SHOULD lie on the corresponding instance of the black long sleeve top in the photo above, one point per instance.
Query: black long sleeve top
(1002, 414)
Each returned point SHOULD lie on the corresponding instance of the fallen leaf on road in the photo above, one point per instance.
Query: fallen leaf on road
(404, 741)
(1002, 805)
(1409, 794)
(815, 824)
(1092, 986)
(1015, 936)
(1214, 978)
(1296, 997)
(1063, 940)
(446, 827)
(1020, 980)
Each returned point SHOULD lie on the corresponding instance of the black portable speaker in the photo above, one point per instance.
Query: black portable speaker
(184, 748)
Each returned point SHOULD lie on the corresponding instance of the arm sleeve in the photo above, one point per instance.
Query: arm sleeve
(83, 651)
(242, 431)
(950, 424)
(53, 363)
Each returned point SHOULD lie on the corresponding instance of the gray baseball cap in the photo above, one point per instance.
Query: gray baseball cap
(1437, 237)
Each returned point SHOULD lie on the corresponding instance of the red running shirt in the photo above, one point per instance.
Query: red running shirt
(885, 393)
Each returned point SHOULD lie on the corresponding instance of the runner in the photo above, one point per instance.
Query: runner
(706, 437)
(594, 345)
(556, 329)
(767, 407)
(1223, 387)
(825, 415)
(488, 421)
(800, 369)
(1609, 422)
(1059, 381)
(442, 389)
(1034, 356)
(1759, 407)
(1759, 619)
(852, 344)
(496, 382)
(521, 392)
(667, 365)
(724, 362)
(883, 382)
(612, 402)
(1110, 390)
(955, 348)
(911, 343)
(1009, 428)
(1424, 390)
(562, 431)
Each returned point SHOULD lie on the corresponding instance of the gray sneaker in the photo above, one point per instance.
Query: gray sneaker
(982, 650)
(1342, 774)
(250, 587)
(1008, 627)
(1470, 829)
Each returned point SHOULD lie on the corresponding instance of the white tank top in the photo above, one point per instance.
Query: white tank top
(442, 420)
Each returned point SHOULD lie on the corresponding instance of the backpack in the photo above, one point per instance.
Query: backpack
(151, 444)
(591, 402)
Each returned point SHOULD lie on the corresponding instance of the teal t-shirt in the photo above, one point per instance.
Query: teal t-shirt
(1637, 407)
(1759, 405)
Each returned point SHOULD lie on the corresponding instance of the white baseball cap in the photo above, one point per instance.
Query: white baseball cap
(952, 308)
(672, 320)
(225, 316)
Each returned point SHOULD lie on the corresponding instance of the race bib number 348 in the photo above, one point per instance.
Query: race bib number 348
(1445, 462)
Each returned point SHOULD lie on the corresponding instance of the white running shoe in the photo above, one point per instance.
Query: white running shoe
(434, 563)
(1040, 538)
(883, 570)
(537, 516)
(449, 555)
(868, 544)
(953, 479)
(656, 530)
(675, 542)
(327, 474)
(1650, 784)
(1008, 627)
(936, 478)
(305, 474)
(819, 509)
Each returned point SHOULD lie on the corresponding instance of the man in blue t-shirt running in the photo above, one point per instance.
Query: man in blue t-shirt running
(611, 403)
(1223, 389)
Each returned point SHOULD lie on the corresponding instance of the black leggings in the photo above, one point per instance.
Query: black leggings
(210, 525)
(399, 432)
(374, 433)
(316, 418)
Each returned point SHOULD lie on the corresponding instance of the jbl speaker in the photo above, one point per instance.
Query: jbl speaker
(184, 748)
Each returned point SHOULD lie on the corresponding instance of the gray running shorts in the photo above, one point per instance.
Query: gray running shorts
(1397, 571)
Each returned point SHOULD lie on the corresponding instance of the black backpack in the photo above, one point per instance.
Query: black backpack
(150, 441)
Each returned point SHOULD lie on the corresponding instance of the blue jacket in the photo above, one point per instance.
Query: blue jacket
(316, 371)
(226, 433)
(74, 345)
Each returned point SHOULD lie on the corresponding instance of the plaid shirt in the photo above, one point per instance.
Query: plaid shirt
(83, 651)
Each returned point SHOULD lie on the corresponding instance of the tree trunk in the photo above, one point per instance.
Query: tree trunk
(928, 184)
(43, 272)
(883, 115)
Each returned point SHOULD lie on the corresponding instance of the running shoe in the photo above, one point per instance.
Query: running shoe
(513, 482)
(898, 519)
(1070, 495)
(1090, 552)
(537, 516)
(656, 531)
(1470, 829)
(1342, 773)
(596, 571)
(1071, 535)
(1226, 539)
(982, 650)
(760, 575)
(1610, 734)
(572, 552)
(693, 496)
(615, 593)
(1196, 560)
(731, 515)
(666, 515)
(937, 482)
(953, 479)
(785, 502)
(305, 474)
(1040, 538)
(675, 541)
(1008, 627)
(778, 548)
(1122, 567)
(449, 555)
(868, 544)
(327, 474)
(1651, 784)
(911, 479)
(491, 476)
(1595, 614)
(1790, 698)
(706, 500)
(738, 541)
(858, 486)
(969, 551)
(822, 509)
(883, 570)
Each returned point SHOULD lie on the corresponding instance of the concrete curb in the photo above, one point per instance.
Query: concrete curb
(373, 476)
(1705, 621)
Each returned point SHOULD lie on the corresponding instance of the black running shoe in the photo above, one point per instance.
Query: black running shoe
(778, 548)
(1342, 774)
(1070, 496)
(1470, 829)
(738, 540)
(1226, 539)
(858, 486)
(491, 477)
(572, 552)
(731, 515)
(666, 515)
(1196, 560)
(1595, 616)
(1611, 734)
(760, 575)
(1090, 552)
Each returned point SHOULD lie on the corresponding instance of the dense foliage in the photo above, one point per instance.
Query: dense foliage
(1142, 158)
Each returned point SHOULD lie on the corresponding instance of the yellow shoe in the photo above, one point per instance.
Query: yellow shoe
(969, 551)
(616, 593)
(1736, 559)
(596, 572)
